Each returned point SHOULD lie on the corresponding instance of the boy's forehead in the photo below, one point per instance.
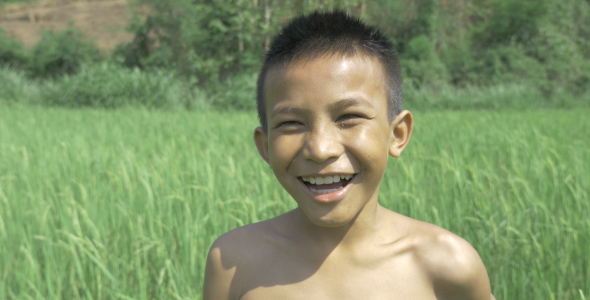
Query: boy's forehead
(332, 74)
(326, 60)
(326, 65)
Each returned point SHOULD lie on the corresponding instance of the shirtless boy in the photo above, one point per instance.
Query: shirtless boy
(329, 103)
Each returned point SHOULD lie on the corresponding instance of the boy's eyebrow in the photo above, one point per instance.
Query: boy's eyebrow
(288, 110)
(341, 104)
(348, 102)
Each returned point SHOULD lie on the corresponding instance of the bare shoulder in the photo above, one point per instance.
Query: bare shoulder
(233, 251)
(222, 262)
(453, 265)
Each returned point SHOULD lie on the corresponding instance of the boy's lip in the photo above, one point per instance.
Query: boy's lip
(331, 197)
(327, 174)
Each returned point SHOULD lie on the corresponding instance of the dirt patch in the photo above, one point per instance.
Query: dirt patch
(103, 21)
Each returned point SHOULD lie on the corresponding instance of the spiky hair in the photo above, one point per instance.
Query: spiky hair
(319, 34)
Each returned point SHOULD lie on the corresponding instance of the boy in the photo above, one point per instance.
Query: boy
(329, 102)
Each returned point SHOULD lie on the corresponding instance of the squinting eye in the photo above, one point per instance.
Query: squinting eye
(348, 116)
(288, 123)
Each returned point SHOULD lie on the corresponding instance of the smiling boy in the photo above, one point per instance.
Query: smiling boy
(329, 103)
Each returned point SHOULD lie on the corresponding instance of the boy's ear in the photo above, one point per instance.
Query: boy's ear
(261, 143)
(402, 128)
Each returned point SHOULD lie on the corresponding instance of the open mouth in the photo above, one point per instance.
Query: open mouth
(327, 184)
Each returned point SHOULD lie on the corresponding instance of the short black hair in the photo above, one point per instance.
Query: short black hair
(331, 33)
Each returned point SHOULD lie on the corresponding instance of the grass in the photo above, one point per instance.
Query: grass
(108, 85)
(124, 204)
(507, 96)
(103, 85)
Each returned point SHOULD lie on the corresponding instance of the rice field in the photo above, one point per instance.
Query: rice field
(124, 204)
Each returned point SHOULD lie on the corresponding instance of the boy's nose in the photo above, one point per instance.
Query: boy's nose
(322, 145)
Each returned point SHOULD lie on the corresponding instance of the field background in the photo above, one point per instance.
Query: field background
(126, 138)
(124, 204)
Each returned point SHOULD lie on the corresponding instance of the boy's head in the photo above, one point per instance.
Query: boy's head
(329, 101)
(331, 33)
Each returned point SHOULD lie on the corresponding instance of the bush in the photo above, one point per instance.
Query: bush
(421, 65)
(106, 85)
(15, 87)
(12, 53)
(237, 92)
(209, 42)
(519, 95)
(61, 53)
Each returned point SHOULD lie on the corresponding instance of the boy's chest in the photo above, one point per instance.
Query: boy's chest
(387, 279)
(349, 290)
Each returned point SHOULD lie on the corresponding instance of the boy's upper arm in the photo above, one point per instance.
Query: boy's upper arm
(457, 270)
(218, 278)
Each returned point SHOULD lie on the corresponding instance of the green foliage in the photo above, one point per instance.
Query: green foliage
(62, 52)
(237, 92)
(402, 20)
(210, 41)
(12, 53)
(107, 85)
(421, 65)
(535, 42)
(198, 40)
(15, 87)
(505, 97)
(510, 21)
(216, 45)
(563, 54)
(501, 41)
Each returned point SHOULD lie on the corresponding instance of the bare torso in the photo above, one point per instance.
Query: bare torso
(268, 261)
(370, 277)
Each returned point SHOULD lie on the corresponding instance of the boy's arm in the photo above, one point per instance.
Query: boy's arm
(457, 270)
(218, 279)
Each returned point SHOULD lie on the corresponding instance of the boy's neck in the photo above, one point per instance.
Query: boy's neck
(360, 230)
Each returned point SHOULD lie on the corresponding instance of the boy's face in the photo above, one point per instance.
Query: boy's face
(328, 137)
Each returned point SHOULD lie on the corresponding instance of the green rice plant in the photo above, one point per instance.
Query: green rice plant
(514, 184)
(124, 204)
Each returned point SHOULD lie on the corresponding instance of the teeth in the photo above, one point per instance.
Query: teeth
(326, 179)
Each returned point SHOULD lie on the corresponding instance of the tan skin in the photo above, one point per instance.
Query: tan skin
(328, 117)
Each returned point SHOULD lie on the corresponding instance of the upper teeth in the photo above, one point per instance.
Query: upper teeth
(326, 179)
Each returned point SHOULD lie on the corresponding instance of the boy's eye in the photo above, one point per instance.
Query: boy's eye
(347, 117)
(288, 123)
(350, 120)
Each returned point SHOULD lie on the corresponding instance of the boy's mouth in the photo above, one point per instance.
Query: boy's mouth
(326, 184)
